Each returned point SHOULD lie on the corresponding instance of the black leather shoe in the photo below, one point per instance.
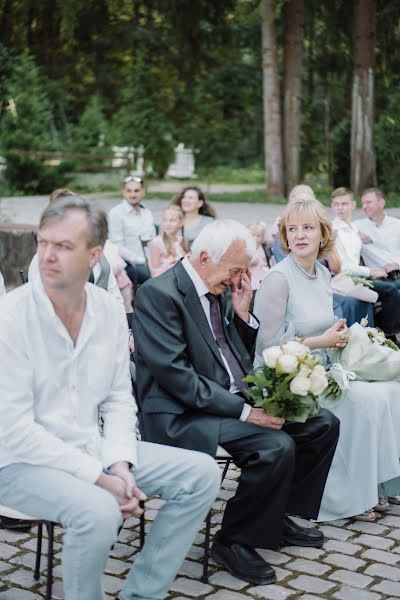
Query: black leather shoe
(242, 562)
(15, 524)
(296, 535)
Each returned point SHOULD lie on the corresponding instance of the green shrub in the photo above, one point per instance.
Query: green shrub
(32, 176)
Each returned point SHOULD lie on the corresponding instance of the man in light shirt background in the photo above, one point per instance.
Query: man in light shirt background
(350, 246)
(65, 362)
(2, 286)
(129, 223)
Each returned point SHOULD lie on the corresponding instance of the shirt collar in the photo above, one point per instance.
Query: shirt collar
(339, 224)
(44, 303)
(128, 207)
(197, 281)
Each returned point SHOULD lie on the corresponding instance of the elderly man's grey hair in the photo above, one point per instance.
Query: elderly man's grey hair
(96, 218)
(217, 237)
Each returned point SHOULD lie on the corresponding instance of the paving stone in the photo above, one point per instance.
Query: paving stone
(390, 520)
(226, 494)
(117, 567)
(271, 592)
(227, 595)
(229, 485)
(196, 553)
(373, 528)
(395, 534)
(374, 541)
(384, 571)
(306, 583)
(356, 580)
(309, 566)
(21, 577)
(381, 556)
(18, 594)
(189, 568)
(274, 558)
(13, 536)
(349, 593)
(155, 503)
(7, 551)
(27, 559)
(121, 550)
(225, 579)
(345, 547)
(310, 597)
(31, 545)
(112, 584)
(5, 566)
(191, 587)
(336, 533)
(346, 562)
(311, 553)
(282, 574)
(387, 587)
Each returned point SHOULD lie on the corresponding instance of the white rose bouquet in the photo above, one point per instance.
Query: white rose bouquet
(289, 383)
(368, 356)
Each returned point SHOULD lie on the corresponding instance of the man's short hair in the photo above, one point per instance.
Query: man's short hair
(374, 190)
(342, 191)
(60, 193)
(96, 218)
(217, 237)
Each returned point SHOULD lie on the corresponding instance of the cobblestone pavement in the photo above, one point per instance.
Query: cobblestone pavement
(359, 561)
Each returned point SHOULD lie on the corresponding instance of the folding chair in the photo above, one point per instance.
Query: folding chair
(6, 511)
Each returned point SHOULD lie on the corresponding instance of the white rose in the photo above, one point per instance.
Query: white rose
(300, 385)
(319, 371)
(318, 383)
(305, 371)
(271, 355)
(287, 363)
(296, 348)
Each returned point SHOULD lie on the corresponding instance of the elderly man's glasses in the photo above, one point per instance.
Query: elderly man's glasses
(134, 178)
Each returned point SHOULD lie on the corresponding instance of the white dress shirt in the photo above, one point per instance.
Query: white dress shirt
(127, 228)
(385, 248)
(52, 392)
(348, 244)
(2, 287)
(112, 286)
(202, 290)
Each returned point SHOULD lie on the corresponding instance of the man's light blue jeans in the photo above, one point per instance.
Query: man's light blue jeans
(188, 481)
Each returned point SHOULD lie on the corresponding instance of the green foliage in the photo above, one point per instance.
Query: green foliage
(32, 176)
(90, 135)
(29, 127)
(387, 141)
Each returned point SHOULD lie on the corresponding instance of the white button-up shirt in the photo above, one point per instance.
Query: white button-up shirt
(385, 248)
(52, 392)
(202, 290)
(2, 287)
(348, 244)
(127, 228)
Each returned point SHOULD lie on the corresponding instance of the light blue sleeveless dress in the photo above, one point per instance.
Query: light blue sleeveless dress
(292, 303)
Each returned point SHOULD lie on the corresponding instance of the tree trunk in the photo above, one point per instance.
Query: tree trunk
(294, 29)
(272, 114)
(363, 171)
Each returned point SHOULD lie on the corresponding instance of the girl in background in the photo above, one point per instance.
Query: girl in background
(196, 210)
(168, 247)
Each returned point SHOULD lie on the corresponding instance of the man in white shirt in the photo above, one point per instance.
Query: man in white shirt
(129, 223)
(380, 251)
(381, 233)
(65, 363)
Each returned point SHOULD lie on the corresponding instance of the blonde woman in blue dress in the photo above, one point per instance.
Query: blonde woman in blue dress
(295, 301)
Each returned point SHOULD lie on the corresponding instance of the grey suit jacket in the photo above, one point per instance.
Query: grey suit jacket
(183, 386)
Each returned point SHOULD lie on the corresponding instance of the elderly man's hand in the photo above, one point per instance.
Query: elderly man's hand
(241, 298)
(259, 417)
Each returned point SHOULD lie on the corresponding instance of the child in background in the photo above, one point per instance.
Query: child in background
(258, 265)
(169, 246)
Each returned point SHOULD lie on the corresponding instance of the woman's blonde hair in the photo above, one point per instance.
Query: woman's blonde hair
(169, 244)
(310, 210)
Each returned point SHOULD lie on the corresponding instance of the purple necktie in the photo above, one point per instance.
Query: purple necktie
(218, 330)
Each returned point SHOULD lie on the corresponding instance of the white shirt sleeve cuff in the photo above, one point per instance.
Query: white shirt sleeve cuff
(253, 323)
(245, 412)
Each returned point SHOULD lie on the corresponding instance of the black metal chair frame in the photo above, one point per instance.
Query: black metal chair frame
(50, 555)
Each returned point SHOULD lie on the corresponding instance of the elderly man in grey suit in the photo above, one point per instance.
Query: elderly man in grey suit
(194, 344)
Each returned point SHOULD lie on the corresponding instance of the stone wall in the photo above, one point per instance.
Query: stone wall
(17, 247)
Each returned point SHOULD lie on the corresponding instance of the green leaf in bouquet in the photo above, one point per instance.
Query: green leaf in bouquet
(391, 345)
